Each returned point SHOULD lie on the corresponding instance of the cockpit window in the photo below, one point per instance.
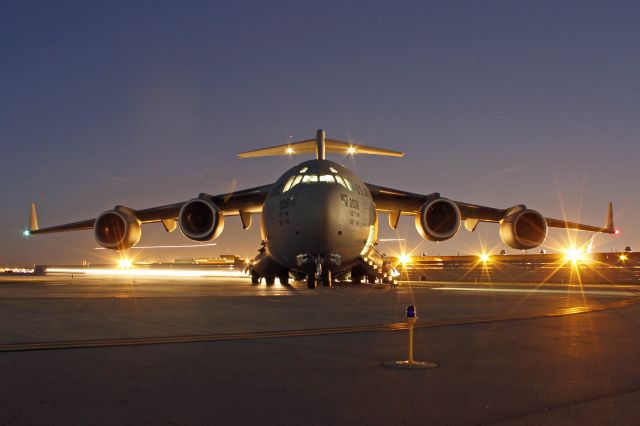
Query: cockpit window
(287, 186)
(314, 178)
(349, 187)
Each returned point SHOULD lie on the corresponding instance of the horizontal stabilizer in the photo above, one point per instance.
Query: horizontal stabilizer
(310, 146)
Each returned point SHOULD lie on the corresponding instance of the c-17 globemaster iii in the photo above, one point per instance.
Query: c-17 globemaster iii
(319, 220)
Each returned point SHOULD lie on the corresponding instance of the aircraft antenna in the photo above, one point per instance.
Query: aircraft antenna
(320, 145)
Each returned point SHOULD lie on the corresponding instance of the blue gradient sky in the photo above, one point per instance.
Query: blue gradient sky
(145, 103)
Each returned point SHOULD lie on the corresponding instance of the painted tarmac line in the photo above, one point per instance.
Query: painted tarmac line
(543, 291)
(143, 341)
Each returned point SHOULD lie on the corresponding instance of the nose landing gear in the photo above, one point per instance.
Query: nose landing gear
(327, 278)
(322, 275)
(311, 280)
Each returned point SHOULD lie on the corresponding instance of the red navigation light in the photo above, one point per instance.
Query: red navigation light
(617, 232)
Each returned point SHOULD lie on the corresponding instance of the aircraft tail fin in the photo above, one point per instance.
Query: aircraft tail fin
(320, 145)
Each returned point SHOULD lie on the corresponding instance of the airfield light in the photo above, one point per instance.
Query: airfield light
(484, 257)
(623, 257)
(404, 259)
(289, 150)
(574, 254)
(125, 263)
(411, 311)
(410, 362)
(351, 150)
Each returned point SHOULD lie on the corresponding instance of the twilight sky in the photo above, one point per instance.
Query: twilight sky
(148, 102)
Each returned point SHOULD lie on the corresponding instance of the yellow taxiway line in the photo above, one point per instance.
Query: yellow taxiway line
(138, 341)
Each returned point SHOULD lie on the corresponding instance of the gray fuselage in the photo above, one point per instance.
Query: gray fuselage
(320, 209)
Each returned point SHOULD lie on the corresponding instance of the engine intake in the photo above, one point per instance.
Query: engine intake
(438, 219)
(523, 229)
(201, 220)
(117, 229)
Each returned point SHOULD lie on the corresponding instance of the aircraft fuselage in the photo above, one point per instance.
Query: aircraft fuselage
(318, 211)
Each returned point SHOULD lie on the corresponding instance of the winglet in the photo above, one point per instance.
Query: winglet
(608, 224)
(33, 220)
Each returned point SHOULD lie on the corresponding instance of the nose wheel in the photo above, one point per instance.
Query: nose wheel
(326, 278)
(321, 276)
(311, 280)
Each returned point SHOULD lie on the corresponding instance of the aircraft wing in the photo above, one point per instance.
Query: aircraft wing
(241, 202)
(397, 202)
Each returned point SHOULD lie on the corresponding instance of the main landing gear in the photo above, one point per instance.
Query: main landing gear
(270, 279)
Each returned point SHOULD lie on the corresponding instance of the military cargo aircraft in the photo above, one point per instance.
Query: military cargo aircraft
(319, 220)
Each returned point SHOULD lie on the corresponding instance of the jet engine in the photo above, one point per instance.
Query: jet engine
(117, 229)
(523, 229)
(438, 219)
(201, 219)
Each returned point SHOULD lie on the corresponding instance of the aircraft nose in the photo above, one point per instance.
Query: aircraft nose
(319, 216)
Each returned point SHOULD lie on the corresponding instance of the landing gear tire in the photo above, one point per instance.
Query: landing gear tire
(311, 280)
(356, 278)
(270, 279)
(284, 278)
(371, 279)
(255, 278)
(326, 278)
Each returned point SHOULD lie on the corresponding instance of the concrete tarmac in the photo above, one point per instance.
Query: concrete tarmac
(296, 359)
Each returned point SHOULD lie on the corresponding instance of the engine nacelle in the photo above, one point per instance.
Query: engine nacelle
(438, 219)
(117, 229)
(200, 219)
(523, 229)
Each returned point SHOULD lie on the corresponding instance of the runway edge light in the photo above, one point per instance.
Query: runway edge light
(411, 311)
(412, 316)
